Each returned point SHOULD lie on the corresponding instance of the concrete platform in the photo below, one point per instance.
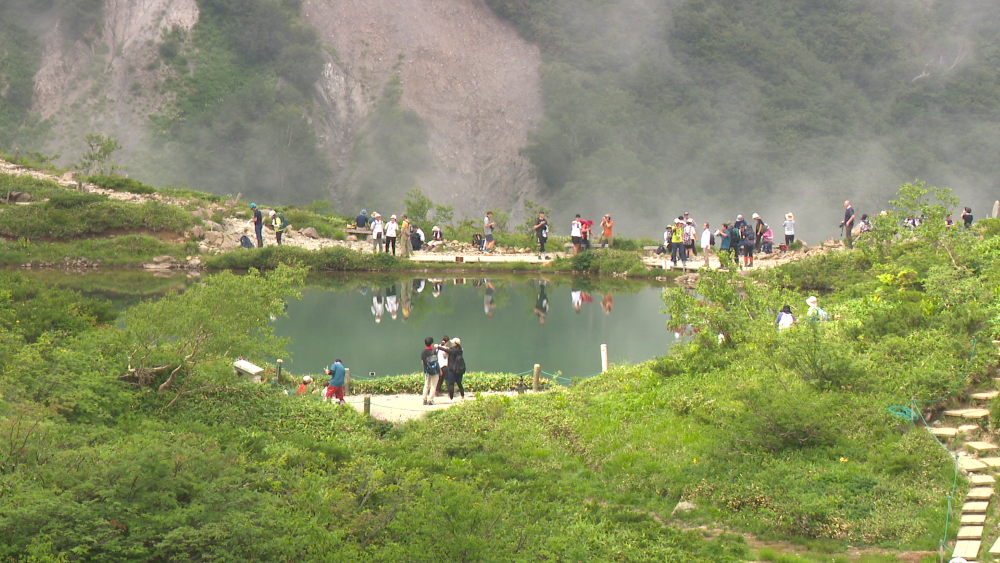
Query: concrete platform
(944, 432)
(980, 447)
(975, 507)
(972, 519)
(978, 480)
(970, 533)
(985, 395)
(980, 493)
(971, 464)
(968, 549)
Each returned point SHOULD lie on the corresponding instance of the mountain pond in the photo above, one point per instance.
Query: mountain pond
(506, 324)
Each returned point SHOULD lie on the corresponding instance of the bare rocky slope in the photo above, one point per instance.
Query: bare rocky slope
(465, 72)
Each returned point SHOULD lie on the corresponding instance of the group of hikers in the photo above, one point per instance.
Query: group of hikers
(278, 223)
(386, 234)
(738, 239)
(786, 319)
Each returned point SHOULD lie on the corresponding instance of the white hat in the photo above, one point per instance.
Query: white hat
(456, 340)
(756, 216)
(272, 213)
(812, 301)
(435, 228)
(393, 217)
(307, 379)
(678, 221)
(376, 214)
(739, 217)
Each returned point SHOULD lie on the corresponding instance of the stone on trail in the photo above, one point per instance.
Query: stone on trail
(970, 464)
(163, 258)
(214, 237)
(991, 461)
(980, 493)
(213, 226)
(985, 395)
(198, 213)
(683, 506)
(968, 428)
(980, 447)
(968, 549)
(310, 232)
(352, 238)
(996, 547)
(944, 432)
(968, 413)
(975, 507)
(982, 480)
(197, 231)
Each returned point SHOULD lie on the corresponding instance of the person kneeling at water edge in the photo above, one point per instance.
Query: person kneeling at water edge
(335, 389)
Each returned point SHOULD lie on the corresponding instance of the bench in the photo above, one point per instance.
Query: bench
(359, 232)
(246, 368)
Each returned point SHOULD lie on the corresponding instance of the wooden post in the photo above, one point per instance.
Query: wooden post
(536, 384)
(347, 381)
(368, 405)
(604, 358)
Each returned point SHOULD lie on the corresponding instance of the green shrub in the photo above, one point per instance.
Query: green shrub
(330, 259)
(474, 382)
(70, 200)
(71, 214)
(120, 184)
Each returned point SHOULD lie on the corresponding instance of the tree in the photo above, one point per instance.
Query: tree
(97, 160)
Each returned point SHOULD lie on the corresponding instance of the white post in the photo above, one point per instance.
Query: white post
(604, 358)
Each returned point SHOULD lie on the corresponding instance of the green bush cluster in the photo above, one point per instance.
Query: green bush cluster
(474, 382)
(125, 250)
(120, 184)
(70, 214)
(332, 259)
(609, 262)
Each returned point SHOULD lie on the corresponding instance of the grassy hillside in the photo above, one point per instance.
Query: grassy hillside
(131, 440)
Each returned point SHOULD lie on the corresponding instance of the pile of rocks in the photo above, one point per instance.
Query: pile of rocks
(167, 262)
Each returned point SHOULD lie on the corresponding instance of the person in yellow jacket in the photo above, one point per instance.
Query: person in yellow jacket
(279, 224)
(677, 242)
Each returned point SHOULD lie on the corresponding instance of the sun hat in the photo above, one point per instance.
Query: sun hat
(272, 213)
(789, 216)
(376, 214)
(690, 221)
(812, 301)
(678, 221)
(756, 216)
(435, 228)
(739, 217)
(456, 340)
(686, 213)
(393, 217)
(307, 379)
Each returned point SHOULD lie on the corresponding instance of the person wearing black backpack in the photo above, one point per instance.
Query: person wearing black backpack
(432, 369)
(457, 362)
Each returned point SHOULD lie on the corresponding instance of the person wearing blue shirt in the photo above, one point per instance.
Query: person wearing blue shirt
(258, 224)
(362, 220)
(335, 389)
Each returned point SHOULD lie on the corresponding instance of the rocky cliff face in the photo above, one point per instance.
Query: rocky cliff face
(471, 78)
(105, 85)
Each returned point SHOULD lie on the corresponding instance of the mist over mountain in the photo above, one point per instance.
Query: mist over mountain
(641, 108)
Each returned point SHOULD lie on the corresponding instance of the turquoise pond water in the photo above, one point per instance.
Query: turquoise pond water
(506, 324)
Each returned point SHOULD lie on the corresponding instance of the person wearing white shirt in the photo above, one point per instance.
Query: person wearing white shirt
(378, 233)
(706, 241)
(576, 233)
(391, 230)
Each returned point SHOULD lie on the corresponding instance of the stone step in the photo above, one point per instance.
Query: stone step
(977, 480)
(975, 507)
(971, 464)
(970, 533)
(972, 519)
(969, 428)
(991, 461)
(967, 549)
(980, 447)
(996, 547)
(970, 413)
(980, 493)
(944, 432)
(985, 395)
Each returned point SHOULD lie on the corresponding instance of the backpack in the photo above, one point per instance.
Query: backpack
(711, 240)
(431, 365)
(478, 240)
(282, 224)
(245, 242)
(458, 366)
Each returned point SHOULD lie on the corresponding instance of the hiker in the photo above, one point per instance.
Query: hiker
(748, 244)
(378, 233)
(437, 238)
(768, 245)
(789, 226)
(785, 318)
(967, 217)
(707, 241)
(575, 232)
(815, 313)
(542, 234)
(665, 247)
(740, 223)
(335, 389)
(607, 235)
(361, 221)
(542, 303)
(417, 238)
(848, 223)
(456, 359)
(303, 387)
(948, 220)
(442, 353)
(690, 233)
(725, 246)
(866, 224)
(404, 236)
(677, 242)
(391, 232)
(432, 370)
(258, 224)
(488, 225)
(245, 241)
(585, 233)
(279, 224)
(758, 230)
(735, 240)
